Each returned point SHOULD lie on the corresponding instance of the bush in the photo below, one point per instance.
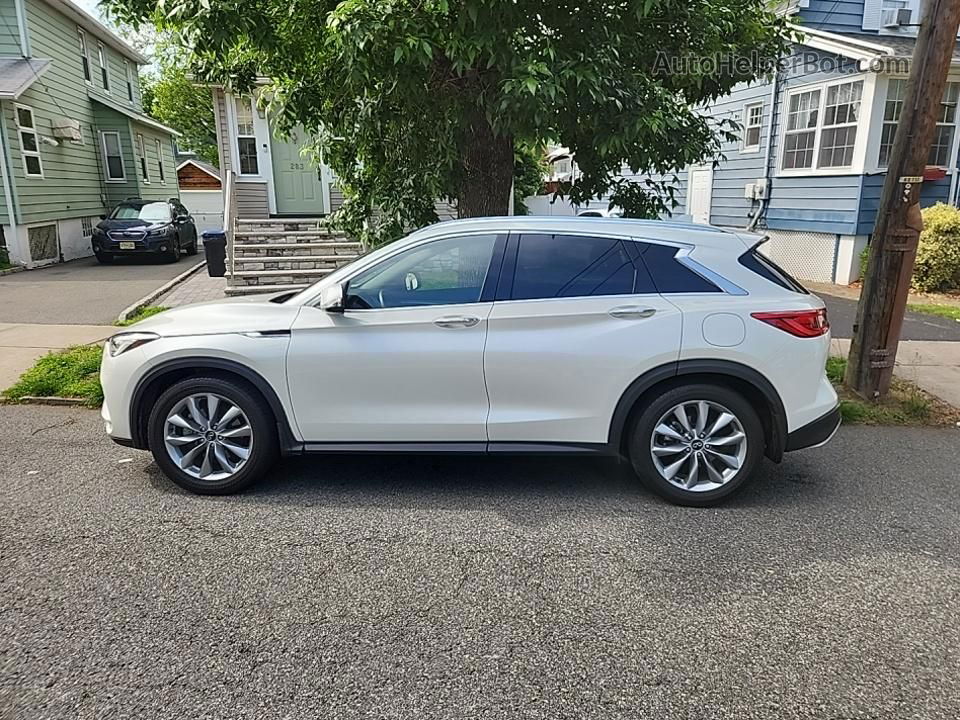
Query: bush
(4, 258)
(938, 256)
(864, 260)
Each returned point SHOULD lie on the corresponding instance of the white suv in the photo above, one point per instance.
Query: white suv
(678, 347)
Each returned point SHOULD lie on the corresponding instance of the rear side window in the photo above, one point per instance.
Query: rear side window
(766, 268)
(552, 266)
(669, 275)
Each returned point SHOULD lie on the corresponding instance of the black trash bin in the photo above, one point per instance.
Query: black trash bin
(215, 249)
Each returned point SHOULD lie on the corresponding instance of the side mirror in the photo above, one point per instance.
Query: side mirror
(332, 299)
(103, 217)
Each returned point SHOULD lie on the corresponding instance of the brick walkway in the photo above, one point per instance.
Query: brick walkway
(198, 288)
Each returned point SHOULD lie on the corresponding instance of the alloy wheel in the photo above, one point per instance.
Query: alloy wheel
(208, 436)
(698, 446)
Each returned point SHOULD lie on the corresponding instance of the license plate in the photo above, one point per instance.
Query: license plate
(128, 246)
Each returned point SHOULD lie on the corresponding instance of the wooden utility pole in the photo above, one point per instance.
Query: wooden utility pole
(893, 249)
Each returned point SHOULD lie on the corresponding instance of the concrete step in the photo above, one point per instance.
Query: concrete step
(287, 233)
(315, 273)
(259, 289)
(343, 259)
(297, 245)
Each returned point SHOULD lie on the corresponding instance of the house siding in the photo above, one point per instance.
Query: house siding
(223, 130)
(252, 200)
(155, 189)
(931, 193)
(729, 207)
(834, 16)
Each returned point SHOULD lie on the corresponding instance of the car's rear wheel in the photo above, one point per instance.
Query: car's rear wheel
(212, 436)
(697, 444)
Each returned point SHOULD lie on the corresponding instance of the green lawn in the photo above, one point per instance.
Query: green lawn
(141, 314)
(70, 373)
(947, 311)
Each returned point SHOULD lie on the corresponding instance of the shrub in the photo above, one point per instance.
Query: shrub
(73, 372)
(938, 256)
(864, 260)
(4, 258)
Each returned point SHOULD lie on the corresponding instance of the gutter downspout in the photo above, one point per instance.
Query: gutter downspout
(768, 156)
(8, 188)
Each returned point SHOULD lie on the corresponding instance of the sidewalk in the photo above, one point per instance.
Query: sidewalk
(934, 366)
(21, 345)
(197, 288)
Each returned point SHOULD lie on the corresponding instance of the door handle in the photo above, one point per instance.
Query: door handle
(632, 312)
(457, 321)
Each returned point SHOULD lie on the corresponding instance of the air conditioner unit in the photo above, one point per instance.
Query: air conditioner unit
(67, 129)
(896, 17)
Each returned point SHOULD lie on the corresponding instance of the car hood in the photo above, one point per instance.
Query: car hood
(237, 315)
(108, 225)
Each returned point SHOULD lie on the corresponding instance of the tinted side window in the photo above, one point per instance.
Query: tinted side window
(767, 268)
(551, 266)
(670, 276)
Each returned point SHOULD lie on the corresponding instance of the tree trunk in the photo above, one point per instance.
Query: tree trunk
(487, 170)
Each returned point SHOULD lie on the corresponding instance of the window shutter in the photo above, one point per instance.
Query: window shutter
(871, 14)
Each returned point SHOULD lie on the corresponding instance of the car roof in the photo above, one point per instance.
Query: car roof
(668, 231)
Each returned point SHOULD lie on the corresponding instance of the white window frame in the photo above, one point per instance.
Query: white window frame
(86, 66)
(104, 65)
(882, 123)
(24, 153)
(752, 149)
(106, 163)
(131, 90)
(163, 174)
(141, 153)
(237, 99)
(863, 124)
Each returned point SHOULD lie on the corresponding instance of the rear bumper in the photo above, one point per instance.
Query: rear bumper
(817, 433)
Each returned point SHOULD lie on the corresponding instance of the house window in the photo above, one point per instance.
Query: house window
(142, 157)
(839, 136)
(104, 73)
(753, 122)
(803, 114)
(128, 69)
(84, 57)
(946, 129)
(821, 127)
(29, 142)
(113, 156)
(159, 145)
(246, 138)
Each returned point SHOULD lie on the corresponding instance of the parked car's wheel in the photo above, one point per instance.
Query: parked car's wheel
(172, 253)
(104, 258)
(194, 247)
(697, 444)
(212, 436)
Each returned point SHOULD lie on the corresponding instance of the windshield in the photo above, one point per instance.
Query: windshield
(148, 212)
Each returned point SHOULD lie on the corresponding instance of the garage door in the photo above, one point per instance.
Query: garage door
(206, 206)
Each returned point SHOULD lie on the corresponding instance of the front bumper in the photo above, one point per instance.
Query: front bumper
(817, 433)
(148, 245)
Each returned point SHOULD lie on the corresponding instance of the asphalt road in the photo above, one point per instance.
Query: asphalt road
(83, 292)
(916, 326)
(476, 588)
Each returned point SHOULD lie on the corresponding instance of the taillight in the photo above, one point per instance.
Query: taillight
(799, 323)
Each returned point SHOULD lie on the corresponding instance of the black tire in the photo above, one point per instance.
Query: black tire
(264, 446)
(193, 248)
(104, 258)
(172, 254)
(642, 430)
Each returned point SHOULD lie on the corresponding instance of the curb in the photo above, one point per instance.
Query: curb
(162, 290)
(12, 270)
(53, 400)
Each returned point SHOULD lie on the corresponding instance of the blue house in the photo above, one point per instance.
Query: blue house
(811, 160)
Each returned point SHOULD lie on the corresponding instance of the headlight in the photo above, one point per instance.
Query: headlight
(119, 344)
(160, 231)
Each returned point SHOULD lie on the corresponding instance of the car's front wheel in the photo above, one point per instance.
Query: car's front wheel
(104, 258)
(697, 444)
(212, 436)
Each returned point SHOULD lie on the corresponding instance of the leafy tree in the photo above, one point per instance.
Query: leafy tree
(173, 99)
(529, 168)
(418, 99)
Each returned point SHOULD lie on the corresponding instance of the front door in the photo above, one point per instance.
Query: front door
(700, 189)
(404, 361)
(296, 178)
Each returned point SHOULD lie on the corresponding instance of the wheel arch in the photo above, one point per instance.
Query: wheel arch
(153, 383)
(756, 388)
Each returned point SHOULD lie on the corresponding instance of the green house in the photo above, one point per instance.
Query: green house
(75, 139)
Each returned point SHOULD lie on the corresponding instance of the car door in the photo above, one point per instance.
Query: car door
(403, 363)
(577, 320)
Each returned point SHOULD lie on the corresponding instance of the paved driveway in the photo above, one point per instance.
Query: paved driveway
(476, 588)
(82, 292)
